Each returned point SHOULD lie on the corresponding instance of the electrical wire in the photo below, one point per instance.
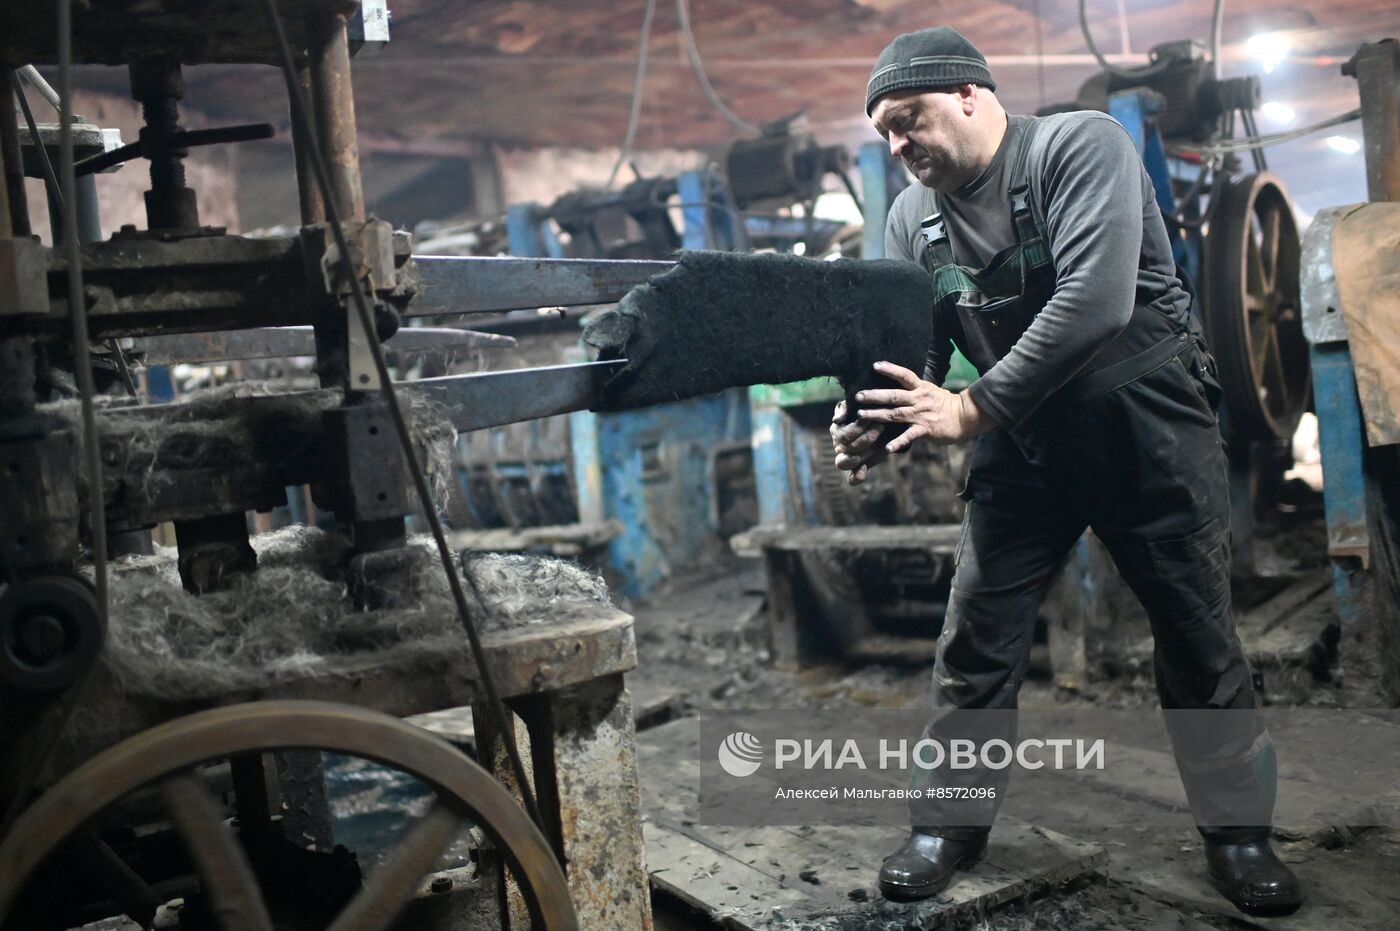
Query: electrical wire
(634, 116)
(1251, 130)
(1152, 67)
(1246, 143)
(1137, 73)
(696, 65)
(319, 167)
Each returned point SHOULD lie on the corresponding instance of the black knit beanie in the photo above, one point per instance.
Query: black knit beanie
(930, 58)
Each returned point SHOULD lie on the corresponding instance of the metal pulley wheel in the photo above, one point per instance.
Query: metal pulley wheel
(167, 759)
(50, 631)
(1253, 315)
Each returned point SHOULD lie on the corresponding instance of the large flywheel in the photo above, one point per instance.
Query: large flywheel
(174, 766)
(1253, 315)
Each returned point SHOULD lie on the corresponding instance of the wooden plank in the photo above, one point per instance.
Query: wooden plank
(453, 725)
(1262, 618)
(940, 538)
(819, 872)
(560, 540)
(712, 881)
(655, 705)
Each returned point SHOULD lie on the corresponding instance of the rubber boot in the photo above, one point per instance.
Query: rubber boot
(925, 864)
(1253, 878)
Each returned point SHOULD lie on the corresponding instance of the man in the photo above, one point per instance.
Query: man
(1095, 408)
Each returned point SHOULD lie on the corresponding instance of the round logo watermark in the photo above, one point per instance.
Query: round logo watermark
(740, 754)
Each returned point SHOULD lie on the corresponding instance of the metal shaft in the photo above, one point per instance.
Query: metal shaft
(334, 104)
(15, 218)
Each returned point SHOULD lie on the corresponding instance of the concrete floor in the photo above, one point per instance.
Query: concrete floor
(701, 644)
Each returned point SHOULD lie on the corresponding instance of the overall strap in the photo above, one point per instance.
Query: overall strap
(935, 233)
(1018, 188)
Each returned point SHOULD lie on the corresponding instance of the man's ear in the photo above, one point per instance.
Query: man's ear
(967, 97)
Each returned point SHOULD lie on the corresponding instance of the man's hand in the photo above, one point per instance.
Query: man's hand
(855, 447)
(930, 411)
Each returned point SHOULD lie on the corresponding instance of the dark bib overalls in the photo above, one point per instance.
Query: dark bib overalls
(1131, 449)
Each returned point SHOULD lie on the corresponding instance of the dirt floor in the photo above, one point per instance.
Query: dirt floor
(702, 647)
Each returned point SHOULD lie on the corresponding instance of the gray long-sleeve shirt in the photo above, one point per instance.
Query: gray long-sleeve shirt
(1107, 241)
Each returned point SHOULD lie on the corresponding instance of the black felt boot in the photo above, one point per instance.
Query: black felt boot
(925, 865)
(1253, 878)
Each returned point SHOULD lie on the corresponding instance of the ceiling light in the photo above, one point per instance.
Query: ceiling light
(1343, 144)
(1280, 114)
(1269, 48)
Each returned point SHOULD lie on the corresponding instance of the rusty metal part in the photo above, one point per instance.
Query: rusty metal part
(197, 468)
(14, 210)
(464, 790)
(395, 880)
(174, 139)
(50, 632)
(286, 342)
(1376, 67)
(1254, 320)
(313, 208)
(492, 399)
(225, 874)
(230, 31)
(213, 551)
(458, 285)
(158, 85)
(590, 794)
(142, 284)
(333, 103)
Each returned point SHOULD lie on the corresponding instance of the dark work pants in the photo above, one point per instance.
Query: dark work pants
(1144, 467)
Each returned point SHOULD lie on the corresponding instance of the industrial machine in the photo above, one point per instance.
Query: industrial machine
(659, 491)
(118, 785)
(1351, 253)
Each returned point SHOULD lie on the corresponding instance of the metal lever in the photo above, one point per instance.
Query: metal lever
(493, 399)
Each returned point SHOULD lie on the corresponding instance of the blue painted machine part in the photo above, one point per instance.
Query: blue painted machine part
(653, 471)
(709, 219)
(527, 233)
(1342, 438)
(877, 194)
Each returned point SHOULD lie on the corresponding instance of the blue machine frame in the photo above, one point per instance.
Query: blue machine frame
(1341, 440)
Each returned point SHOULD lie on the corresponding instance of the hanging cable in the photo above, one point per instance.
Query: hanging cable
(317, 158)
(1251, 130)
(696, 65)
(1246, 143)
(634, 115)
(1137, 73)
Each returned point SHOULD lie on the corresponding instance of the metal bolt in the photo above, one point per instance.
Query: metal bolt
(41, 637)
(442, 884)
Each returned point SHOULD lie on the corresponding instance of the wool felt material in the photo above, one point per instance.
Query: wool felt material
(721, 320)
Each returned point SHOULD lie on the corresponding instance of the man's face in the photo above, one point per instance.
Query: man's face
(930, 133)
